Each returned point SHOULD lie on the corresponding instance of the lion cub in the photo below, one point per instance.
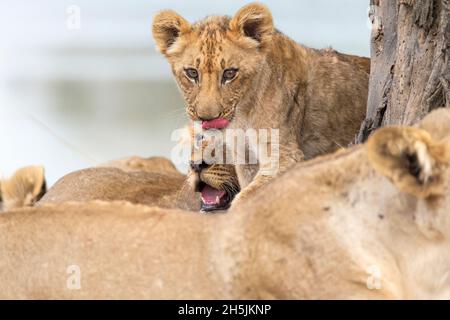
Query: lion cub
(243, 72)
(24, 188)
(217, 183)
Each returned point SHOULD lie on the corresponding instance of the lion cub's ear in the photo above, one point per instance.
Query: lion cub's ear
(254, 22)
(24, 188)
(410, 158)
(167, 27)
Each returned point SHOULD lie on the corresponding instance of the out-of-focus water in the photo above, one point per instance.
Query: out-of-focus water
(76, 98)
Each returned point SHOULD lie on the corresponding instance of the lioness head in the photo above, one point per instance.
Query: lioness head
(417, 160)
(414, 158)
(216, 61)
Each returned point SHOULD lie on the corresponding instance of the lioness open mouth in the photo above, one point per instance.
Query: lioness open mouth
(214, 199)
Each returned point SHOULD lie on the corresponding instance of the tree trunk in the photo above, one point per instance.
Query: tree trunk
(410, 62)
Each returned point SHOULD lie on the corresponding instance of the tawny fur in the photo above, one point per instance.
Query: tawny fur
(136, 163)
(152, 181)
(317, 98)
(24, 188)
(329, 228)
(220, 176)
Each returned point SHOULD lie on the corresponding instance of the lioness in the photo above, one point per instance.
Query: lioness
(152, 165)
(149, 181)
(243, 71)
(369, 222)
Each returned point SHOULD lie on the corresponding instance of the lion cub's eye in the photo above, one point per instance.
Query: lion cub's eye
(191, 74)
(229, 74)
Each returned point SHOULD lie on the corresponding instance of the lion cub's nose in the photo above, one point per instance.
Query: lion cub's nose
(208, 114)
(197, 167)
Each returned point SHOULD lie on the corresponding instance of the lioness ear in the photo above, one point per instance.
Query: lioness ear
(24, 188)
(253, 21)
(37, 176)
(410, 158)
(167, 27)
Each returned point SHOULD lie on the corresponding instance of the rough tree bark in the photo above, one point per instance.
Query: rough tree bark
(410, 62)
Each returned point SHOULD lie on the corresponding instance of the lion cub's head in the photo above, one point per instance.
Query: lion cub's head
(217, 182)
(216, 61)
(24, 188)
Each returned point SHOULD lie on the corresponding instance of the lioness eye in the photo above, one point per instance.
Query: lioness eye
(191, 74)
(229, 74)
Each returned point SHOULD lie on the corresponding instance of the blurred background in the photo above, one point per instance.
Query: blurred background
(81, 82)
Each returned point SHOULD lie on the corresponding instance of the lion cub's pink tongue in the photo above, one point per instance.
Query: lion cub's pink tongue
(218, 123)
(211, 196)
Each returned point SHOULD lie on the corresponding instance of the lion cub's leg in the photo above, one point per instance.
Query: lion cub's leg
(288, 156)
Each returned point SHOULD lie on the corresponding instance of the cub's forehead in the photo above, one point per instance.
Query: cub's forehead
(209, 43)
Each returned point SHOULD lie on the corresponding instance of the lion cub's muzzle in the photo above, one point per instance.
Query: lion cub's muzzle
(217, 185)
